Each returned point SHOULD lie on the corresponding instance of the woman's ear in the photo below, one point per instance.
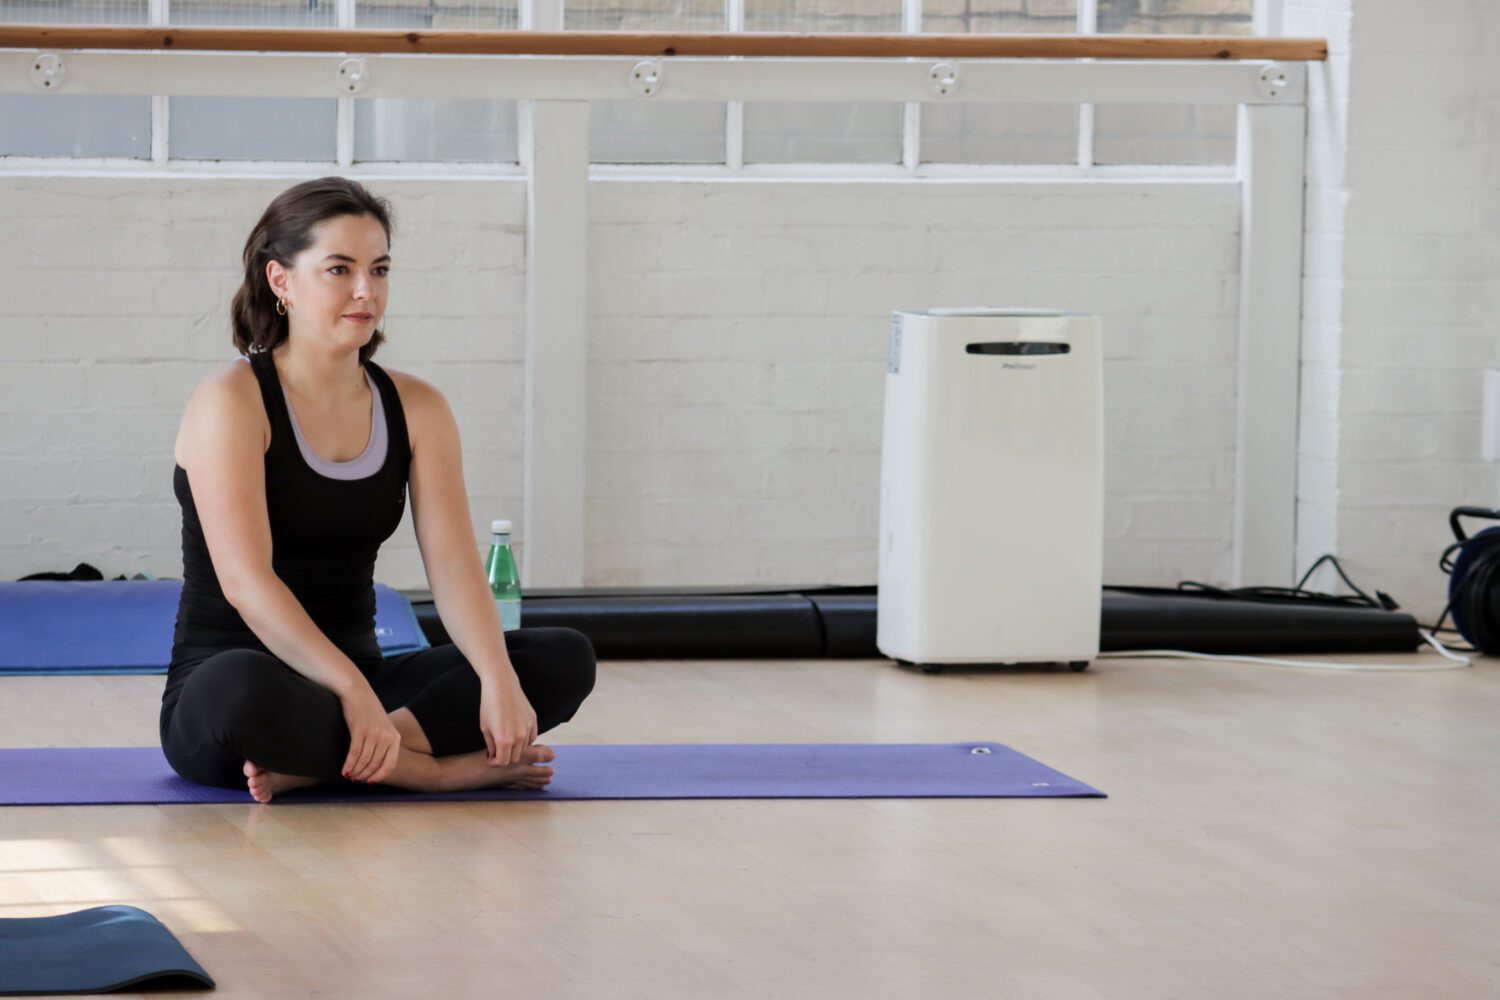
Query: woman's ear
(276, 275)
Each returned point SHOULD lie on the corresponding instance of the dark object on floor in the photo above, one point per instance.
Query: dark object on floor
(83, 571)
(1150, 618)
(1473, 568)
(113, 775)
(683, 626)
(97, 950)
(804, 622)
(698, 622)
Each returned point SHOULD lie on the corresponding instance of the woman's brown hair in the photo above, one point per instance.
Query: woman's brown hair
(285, 230)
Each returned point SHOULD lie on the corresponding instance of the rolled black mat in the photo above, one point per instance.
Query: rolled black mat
(848, 623)
(685, 627)
(751, 623)
(1151, 618)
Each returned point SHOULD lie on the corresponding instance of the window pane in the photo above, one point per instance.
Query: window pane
(254, 13)
(453, 130)
(875, 16)
(75, 125)
(643, 132)
(39, 124)
(822, 133)
(1164, 133)
(1176, 17)
(74, 12)
(794, 132)
(960, 17)
(644, 15)
(496, 15)
(999, 133)
(1171, 133)
(465, 131)
(252, 128)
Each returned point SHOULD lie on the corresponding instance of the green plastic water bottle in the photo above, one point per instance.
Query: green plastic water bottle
(505, 582)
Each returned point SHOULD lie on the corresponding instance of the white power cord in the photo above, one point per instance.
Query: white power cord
(1458, 662)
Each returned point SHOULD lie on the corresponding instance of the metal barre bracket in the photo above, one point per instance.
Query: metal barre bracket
(645, 76)
(942, 79)
(353, 75)
(1273, 80)
(48, 71)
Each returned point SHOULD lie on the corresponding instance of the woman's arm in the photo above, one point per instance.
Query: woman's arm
(225, 462)
(440, 514)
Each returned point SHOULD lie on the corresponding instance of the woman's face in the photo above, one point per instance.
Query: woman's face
(335, 290)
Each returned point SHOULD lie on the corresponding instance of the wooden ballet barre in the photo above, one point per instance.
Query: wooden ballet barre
(652, 43)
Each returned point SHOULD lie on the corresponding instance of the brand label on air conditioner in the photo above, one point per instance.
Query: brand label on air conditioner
(893, 360)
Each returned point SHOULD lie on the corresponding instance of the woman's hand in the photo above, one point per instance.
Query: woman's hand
(506, 718)
(373, 739)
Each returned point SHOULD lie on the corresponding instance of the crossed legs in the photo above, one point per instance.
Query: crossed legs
(243, 717)
(418, 770)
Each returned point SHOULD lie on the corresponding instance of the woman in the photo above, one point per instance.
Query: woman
(292, 468)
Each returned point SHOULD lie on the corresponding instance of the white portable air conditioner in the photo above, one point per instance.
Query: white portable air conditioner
(991, 488)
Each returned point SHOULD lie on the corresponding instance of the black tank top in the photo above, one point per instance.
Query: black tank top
(325, 534)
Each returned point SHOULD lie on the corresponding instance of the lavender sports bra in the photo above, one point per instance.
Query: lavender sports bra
(369, 461)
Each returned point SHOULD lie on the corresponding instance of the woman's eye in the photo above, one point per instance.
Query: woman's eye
(335, 269)
(382, 271)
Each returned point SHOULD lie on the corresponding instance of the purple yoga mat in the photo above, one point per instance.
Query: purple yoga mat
(137, 775)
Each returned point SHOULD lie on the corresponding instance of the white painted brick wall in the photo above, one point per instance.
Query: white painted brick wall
(736, 367)
(1399, 298)
(118, 305)
(737, 359)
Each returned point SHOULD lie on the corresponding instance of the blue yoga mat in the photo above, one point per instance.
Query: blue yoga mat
(125, 626)
(135, 775)
(98, 950)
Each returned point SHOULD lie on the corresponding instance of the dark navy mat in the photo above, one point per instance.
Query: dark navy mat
(123, 775)
(96, 950)
(125, 626)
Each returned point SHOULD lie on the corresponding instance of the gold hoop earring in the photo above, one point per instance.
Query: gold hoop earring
(280, 306)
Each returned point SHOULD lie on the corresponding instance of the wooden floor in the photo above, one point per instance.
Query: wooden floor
(1270, 832)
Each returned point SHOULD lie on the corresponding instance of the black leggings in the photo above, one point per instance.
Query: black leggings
(245, 704)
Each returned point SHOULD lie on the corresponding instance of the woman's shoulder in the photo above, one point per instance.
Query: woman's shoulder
(426, 410)
(234, 380)
(226, 398)
(416, 393)
(232, 383)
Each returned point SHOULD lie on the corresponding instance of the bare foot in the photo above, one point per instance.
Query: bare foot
(474, 771)
(264, 784)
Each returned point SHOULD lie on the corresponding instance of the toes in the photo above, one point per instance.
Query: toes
(541, 753)
(250, 769)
